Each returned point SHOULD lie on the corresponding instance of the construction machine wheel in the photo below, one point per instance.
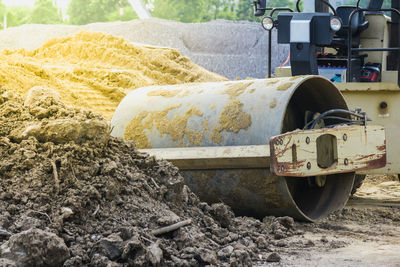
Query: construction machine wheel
(238, 113)
(358, 181)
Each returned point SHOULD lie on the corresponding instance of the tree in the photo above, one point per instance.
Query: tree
(87, 11)
(205, 10)
(44, 12)
(18, 15)
(180, 10)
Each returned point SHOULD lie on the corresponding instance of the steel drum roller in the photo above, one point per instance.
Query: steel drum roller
(238, 113)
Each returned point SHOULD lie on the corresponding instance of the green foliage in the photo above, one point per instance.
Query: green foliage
(181, 10)
(44, 12)
(205, 10)
(18, 15)
(87, 11)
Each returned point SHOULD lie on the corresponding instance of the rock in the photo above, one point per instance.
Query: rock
(154, 254)
(179, 262)
(169, 219)
(240, 258)
(261, 242)
(109, 168)
(309, 243)
(110, 246)
(102, 261)
(4, 234)
(222, 214)
(287, 222)
(209, 257)
(274, 257)
(133, 248)
(7, 263)
(225, 252)
(74, 261)
(324, 239)
(282, 243)
(66, 212)
(35, 247)
(278, 234)
(125, 232)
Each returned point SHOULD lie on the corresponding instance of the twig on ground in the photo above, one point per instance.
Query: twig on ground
(146, 239)
(154, 182)
(96, 211)
(55, 174)
(73, 171)
(41, 213)
(171, 228)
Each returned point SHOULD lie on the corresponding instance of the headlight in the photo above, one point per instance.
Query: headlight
(267, 23)
(336, 24)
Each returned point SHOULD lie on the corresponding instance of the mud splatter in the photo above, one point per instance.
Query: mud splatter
(175, 127)
(164, 93)
(232, 119)
(284, 86)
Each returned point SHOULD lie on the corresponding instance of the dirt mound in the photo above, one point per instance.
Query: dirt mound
(83, 199)
(95, 70)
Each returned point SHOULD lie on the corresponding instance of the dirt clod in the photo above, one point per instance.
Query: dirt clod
(35, 247)
(274, 257)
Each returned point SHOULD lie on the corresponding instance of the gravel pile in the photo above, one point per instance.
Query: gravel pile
(232, 49)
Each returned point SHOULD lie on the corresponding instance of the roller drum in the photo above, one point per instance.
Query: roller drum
(237, 113)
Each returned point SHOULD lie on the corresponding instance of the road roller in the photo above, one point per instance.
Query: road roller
(356, 46)
(285, 146)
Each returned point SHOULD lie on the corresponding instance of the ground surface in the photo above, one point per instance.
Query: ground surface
(365, 233)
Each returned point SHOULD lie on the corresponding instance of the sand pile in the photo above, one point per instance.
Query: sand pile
(95, 70)
(232, 49)
(71, 194)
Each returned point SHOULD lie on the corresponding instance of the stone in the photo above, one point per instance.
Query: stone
(273, 257)
(154, 254)
(110, 246)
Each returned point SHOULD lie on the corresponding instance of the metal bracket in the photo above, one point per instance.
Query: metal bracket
(328, 151)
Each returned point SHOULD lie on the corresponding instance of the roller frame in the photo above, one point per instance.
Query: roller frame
(358, 148)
